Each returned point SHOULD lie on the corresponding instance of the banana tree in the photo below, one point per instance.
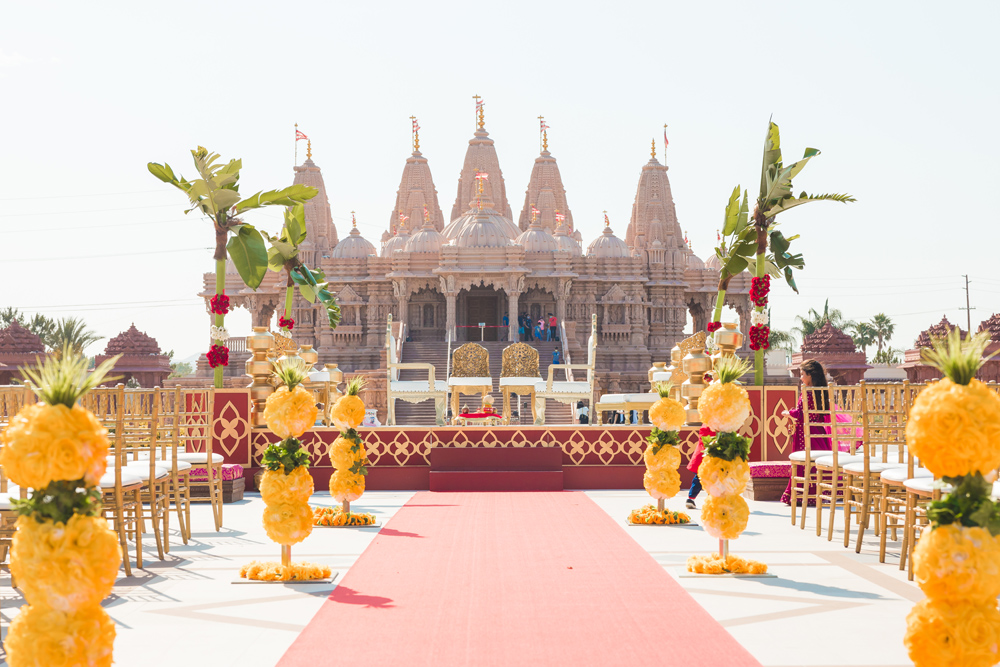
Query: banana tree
(754, 243)
(284, 255)
(217, 195)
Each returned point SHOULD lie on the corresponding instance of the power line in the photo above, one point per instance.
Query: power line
(93, 210)
(89, 227)
(93, 194)
(107, 303)
(122, 254)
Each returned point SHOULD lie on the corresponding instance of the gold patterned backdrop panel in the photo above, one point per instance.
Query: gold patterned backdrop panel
(695, 342)
(780, 428)
(470, 361)
(519, 360)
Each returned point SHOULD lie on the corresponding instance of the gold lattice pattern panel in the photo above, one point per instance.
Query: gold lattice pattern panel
(519, 360)
(471, 360)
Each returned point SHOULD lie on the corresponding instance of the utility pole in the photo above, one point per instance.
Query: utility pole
(968, 310)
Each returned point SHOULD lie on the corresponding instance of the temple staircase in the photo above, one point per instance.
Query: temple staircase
(436, 353)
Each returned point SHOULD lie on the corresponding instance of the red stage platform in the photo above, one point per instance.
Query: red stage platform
(592, 456)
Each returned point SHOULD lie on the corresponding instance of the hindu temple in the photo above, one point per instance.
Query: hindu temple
(141, 361)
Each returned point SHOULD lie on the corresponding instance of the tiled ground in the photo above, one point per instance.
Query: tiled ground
(186, 610)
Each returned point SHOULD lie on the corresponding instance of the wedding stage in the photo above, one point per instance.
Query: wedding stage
(594, 456)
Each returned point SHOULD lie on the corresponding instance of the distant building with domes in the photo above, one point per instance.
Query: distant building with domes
(442, 276)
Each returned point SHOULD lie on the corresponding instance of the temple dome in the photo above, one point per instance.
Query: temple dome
(939, 330)
(693, 261)
(16, 339)
(713, 263)
(355, 246)
(482, 232)
(992, 324)
(566, 242)
(427, 239)
(608, 245)
(132, 342)
(828, 339)
(397, 242)
(536, 239)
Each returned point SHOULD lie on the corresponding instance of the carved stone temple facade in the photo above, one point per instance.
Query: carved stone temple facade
(443, 276)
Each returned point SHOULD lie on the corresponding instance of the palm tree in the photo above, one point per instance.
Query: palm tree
(814, 321)
(781, 340)
(883, 329)
(863, 335)
(71, 332)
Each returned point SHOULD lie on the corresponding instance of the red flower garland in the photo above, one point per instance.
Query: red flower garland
(706, 432)
(759, 337)
(714, 326)
(759, 289)
(220, 304)
(707, 377)
(218, 355)
(285, 324)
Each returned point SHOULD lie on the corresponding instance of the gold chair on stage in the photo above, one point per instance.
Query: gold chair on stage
(411, 391)
(569, 391)
(518, 375)
(470, 373)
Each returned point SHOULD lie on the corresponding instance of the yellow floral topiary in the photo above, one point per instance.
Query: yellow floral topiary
(43, 637)
(342, 455)
(346, 486)
(731, 564)
(668, 457)
(720, 477)
(288, 523)
(349, 410)
(955, 562)
(268, 571)
(65, 566)
(724, 405)
(667, 414)
(941, 633)
(291, 410)
(662, 483)
(725, 517)
(954, 424)
(46, 443)
(277, 488)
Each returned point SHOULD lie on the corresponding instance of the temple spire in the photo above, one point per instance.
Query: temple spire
(415, 131)
(545, 191)
(416, 187)
(652, 150)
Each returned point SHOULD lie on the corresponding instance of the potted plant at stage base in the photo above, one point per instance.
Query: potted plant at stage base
(287, 485)
(662, 458)
(64, 556)
(724, 472)
(348, 457)
(954, 429)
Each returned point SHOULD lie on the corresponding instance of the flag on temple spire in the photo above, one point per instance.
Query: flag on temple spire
(718, 236)
(665, 142)
(299, 135)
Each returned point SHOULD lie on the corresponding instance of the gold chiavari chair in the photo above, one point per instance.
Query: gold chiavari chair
(920, 491)
(892, 511)
(829, 466)
(801, 473)
(885, 409)
(196, 440)
(168, 440)
(120, 490)
(141, 418)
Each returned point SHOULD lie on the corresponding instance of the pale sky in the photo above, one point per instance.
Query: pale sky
(902, 99)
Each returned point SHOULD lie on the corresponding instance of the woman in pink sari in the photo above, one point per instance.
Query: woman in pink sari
(812, 374)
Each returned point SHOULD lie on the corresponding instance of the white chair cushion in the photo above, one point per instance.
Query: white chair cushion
(647, 398)
(141, 470)
(899, 475)
(469, 381)
(925, 485)
(661, 376)
(842, 459)
(198, 457)
(5, 501)
(128, 479)
(165, 462)
(564, 387)
(519, 381)
(800, 456)
(873, 466)
(415, 386)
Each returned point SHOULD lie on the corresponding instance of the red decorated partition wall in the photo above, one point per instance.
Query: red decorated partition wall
(594, 456)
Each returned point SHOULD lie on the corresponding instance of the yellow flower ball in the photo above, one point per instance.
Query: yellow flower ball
(342, 455)
(277, 488)
(45, 443)
(290, 414)
(669, 457)
(940, 633)
(955, 429)
(348, 412)
(346, 485)
(958, 563)
(43, 637)
(725, 517)
(663, 483)
(65, 566)
(288, 523)
(720, 477)
(724, 408)
(667, 414)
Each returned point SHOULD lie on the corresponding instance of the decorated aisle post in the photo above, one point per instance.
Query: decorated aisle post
(287, 485)
(64, 557)
(954, 430)
(662, 459)
(348, 457)
(724, 471)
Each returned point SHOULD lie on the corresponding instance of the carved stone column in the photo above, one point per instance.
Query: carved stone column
(402, 296)
(450, 297)
(562, 292)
